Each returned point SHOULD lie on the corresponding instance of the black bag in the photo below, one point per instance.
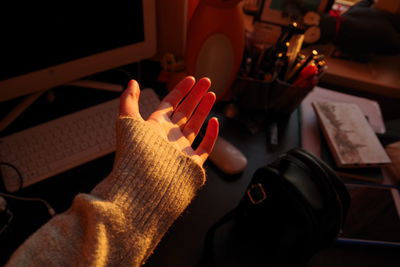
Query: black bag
(292, 208)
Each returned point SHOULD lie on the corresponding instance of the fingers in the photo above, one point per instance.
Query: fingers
(192, 128)
(129, 101)
(172, 100)
(207, 144)
(184, 111)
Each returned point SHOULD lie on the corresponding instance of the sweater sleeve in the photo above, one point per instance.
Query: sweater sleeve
(125, 216)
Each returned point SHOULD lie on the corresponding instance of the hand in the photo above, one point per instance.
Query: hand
(179, 116)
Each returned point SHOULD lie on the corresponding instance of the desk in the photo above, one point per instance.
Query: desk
(380, 76)
(219, 195)
(183, 244)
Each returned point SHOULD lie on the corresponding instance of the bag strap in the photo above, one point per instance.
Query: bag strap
(255, 194)
(209, 258)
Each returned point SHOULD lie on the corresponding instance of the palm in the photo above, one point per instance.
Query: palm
(171, 131)
(180, 115)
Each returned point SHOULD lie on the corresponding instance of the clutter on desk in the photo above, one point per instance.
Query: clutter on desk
(351, 139)
(294, 206)
(393, 151)
(361, 30)
(314, 142)
(358, 28)
(283, 12)
(309, 127)
(275, 78)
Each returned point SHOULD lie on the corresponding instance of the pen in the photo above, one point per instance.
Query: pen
(293, 53)
(263, 61)
(284, 32)
(287, 34)
(276, 61)
(303, 65)
(299, 60)
(279, 65)
(306, 77)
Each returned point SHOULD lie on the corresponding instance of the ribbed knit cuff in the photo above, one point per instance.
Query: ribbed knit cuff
(124, 218)
(152, 181)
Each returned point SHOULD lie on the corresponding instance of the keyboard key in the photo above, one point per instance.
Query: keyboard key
(64, 143)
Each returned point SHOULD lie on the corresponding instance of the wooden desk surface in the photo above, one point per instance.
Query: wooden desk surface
(381, 76)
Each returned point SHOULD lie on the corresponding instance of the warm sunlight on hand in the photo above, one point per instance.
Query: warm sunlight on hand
(180, 115)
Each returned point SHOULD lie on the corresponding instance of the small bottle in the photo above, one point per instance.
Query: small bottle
(215, 44)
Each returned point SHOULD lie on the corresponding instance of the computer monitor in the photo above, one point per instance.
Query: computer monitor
(45, 44)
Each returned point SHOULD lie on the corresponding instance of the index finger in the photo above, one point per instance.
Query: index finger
(171, 101)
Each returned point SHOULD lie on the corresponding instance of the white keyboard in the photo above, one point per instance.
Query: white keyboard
(53, 147)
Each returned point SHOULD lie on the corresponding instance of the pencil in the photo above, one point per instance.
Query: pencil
(303, 65)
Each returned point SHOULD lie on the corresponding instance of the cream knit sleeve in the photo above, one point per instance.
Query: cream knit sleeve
(123, 219)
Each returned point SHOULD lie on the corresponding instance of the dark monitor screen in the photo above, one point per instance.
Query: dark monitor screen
(40, 34)
(45, 44)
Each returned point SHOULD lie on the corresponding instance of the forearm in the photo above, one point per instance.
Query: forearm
(125, 216)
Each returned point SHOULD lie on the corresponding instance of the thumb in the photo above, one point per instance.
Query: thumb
(129, 101)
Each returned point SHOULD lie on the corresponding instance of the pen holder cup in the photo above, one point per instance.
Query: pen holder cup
(275, 98)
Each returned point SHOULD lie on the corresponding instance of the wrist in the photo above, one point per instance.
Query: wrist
(148, 168)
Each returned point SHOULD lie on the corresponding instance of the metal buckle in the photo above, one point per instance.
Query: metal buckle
(260, 189)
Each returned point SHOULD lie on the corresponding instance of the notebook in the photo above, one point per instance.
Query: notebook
(350, 137)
